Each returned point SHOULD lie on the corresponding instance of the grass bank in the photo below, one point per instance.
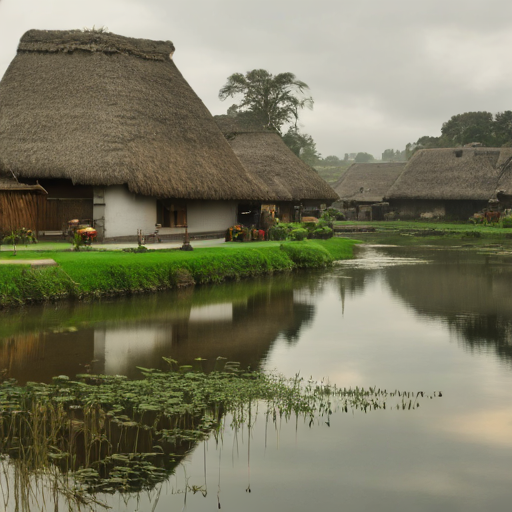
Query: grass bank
(96, 274)
(416, 232)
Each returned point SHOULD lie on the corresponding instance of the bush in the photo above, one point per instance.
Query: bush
(299, 234)
(507, 222)
(322, 223)
(278, 232)
(323, 233)
(334, 214)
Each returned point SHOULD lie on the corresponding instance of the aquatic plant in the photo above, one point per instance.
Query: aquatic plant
(109, 434)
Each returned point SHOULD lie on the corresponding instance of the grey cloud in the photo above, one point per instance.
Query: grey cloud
(382, 73)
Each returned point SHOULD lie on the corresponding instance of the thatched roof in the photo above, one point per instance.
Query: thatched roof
(454, 174)
(9, 183)
(367, 182)
(504, 186)
(264, 154)
(102, 109)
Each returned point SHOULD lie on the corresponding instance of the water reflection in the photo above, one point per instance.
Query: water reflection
(429, 319)
(469, 292)
(237, 322)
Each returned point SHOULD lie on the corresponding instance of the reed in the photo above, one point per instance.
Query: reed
(108, 434)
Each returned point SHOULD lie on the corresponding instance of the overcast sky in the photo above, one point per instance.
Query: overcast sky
(382, 72)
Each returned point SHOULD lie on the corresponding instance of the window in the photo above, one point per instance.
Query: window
(171, 213)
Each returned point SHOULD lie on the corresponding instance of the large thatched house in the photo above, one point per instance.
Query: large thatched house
(114, 133)
(295, 187)
(364, 184)
(452, 183)
(20, 204)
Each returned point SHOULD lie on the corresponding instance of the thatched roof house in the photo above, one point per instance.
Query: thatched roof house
(447, 182)
(264, 154)
(367, 183)
(102, 109)
(114, 114)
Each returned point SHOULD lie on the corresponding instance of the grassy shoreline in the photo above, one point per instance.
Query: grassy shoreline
(96, 274)
(428, 232)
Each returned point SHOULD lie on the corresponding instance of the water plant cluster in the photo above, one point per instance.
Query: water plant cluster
(106, 434)
(95, 274)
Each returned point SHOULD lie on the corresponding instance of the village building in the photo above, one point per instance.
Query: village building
(112, 131)
(296, 189)
(450, 183)
(362, 189)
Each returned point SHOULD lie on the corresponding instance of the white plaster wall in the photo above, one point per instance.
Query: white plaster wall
(204, 216)
(126, 212)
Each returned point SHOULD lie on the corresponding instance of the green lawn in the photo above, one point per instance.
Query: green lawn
(97, 273)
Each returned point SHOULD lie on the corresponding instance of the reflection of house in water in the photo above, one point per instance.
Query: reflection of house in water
(473, 299)
(38, 357)
(242, 330)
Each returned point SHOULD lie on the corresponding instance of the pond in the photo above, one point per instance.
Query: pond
(416, 319)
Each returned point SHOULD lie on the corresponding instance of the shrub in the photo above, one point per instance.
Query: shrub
(334, 214)
(277, 232)
(299, 234)
(322, 223)
(507, 222)
(322, 233)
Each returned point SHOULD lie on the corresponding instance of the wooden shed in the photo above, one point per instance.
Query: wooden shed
(21, 205)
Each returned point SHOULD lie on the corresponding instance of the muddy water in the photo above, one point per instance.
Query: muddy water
(398, 318)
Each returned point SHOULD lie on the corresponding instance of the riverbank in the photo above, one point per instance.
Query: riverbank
(425, 232)
(79, 275)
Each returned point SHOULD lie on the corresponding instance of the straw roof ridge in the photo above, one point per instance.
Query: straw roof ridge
(368, 182)
(104, 119)
(449, 174)
(52, 41)
(265, 156)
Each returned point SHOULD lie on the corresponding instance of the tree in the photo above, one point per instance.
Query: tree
(503, 127)
(469, 127)
(363, 158)
(277, 99)
(302, 145)
(332, 160)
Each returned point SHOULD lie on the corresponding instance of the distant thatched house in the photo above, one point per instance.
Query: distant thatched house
(364, 184)
(20, 205)
(109, 126)
(294, 186)
(453, 183)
